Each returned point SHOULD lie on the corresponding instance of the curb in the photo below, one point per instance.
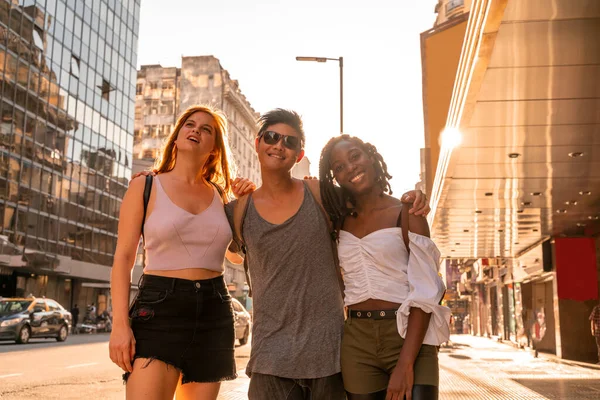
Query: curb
(547, 356)
(556, 359)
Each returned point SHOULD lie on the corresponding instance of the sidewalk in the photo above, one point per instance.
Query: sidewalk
(480, 368)
(556, 359)
(238, 388)
(549, 356)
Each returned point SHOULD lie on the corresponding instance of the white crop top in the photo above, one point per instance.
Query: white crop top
(379, 267)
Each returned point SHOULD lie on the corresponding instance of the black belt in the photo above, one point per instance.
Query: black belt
(373, 314)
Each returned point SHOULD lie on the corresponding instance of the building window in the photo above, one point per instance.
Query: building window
(37, 39)
(166, 107)
(106, 88)
(74, 66)
(453, 5)
(138, 89)
(148, 154)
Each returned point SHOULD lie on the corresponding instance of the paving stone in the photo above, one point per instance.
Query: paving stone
(475, 368)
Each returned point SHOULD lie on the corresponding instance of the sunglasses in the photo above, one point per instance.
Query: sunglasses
(271, 138)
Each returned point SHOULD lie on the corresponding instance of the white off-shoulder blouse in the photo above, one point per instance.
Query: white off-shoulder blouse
(378, 266)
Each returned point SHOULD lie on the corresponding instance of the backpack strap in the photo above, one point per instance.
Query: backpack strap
(239, 214)
(403, 223)
(147, 191)
(315, 189)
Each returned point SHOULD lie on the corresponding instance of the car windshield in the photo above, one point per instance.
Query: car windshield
(8, 307)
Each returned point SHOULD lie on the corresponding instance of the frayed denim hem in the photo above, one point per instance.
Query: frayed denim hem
(149, 360)
(184, 378)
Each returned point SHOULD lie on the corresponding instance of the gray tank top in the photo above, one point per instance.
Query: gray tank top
(297, 303)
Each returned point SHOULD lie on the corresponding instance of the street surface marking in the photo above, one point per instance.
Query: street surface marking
(81, 365)
(9, 375)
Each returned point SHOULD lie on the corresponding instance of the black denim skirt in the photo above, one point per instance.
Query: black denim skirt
(186, 324)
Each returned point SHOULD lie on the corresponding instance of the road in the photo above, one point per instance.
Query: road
(76, 369)
(471, 368)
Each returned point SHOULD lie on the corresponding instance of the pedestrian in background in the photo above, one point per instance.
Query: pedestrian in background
(75, 318)
(393, 291)
(595, 326)
(527, 324)
(181, 337)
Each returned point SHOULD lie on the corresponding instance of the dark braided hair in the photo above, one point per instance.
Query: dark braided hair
(336, 200)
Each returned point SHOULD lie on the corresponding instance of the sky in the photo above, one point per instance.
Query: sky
(258, 41)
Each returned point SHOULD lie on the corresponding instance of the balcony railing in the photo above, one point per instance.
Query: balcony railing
(453, 5)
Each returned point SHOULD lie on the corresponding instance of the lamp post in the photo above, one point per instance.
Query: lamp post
(340, 60)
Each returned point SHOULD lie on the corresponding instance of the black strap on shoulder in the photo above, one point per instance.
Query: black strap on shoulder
(239, 215)
(221, 192)
(403, 223)
(147, 191)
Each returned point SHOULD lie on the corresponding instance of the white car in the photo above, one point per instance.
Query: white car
(242, 322)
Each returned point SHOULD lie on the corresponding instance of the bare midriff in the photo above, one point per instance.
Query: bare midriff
(192, 274)
(374, 304)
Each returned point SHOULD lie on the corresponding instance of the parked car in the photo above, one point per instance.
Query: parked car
(242, 322)
(24, 318)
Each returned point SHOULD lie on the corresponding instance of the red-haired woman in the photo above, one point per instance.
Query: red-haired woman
(178, 336)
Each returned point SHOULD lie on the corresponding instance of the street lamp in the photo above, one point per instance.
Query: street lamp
(341, 61)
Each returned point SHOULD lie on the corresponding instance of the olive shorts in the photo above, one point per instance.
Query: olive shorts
(370, 351)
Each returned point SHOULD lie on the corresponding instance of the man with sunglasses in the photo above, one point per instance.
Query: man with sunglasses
(297, 303)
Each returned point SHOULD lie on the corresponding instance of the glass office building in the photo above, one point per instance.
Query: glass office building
(67, 72)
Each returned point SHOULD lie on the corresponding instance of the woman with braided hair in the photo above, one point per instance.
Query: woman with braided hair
(392, 289)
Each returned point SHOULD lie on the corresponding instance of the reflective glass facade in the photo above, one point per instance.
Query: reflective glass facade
(67, 71)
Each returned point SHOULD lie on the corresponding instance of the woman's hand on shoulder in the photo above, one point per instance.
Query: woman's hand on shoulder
(242, 186)
(420, 203)
(154, 172)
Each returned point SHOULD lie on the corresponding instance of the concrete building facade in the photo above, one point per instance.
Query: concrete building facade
(68, 85)
(163, 93)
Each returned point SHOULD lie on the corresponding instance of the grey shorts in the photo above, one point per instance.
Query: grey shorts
(269, 387)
